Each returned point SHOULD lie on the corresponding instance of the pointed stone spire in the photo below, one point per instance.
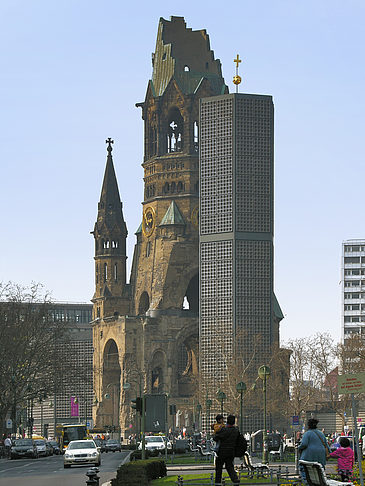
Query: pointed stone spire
(110, 206)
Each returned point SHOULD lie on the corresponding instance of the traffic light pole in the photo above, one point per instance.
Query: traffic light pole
(143, 422)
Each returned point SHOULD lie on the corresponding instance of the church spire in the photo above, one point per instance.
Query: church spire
(110, 234)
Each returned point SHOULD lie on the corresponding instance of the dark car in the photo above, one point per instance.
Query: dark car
(112, 445)
(23, 448)
(100, 443)
(55, 446)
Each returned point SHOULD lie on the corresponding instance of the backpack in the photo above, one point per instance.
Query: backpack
(241, 446)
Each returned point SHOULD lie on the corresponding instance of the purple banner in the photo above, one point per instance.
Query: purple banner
(74, 407)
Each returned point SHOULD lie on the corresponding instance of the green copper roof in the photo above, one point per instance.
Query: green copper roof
(277, 310)
(139, 230)
(172, 216)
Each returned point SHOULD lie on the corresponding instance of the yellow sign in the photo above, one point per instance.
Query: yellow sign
(354, 383)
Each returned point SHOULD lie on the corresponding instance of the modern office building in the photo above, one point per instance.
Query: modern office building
(77, 354)
(353, 288)
(239, 314)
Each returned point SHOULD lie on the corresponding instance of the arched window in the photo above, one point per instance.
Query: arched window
(148, 249)
(180, 186)
(191, 298)
(186, 68)
(144, 303)
(173, 186)
(175, 125)
(196, 137)
(166, 188)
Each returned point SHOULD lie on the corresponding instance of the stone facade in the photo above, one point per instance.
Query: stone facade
(145, 332)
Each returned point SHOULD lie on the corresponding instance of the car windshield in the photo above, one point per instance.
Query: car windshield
(53, 443)
(154, 439)
(112, 441)
(40, 442)
(82, 445)
(21, 442)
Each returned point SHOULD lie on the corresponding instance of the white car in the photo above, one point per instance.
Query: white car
(82, 452)
(155, 442)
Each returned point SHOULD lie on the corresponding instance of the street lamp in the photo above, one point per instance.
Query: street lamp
(241, 387)
(199, 409)
(264, 371)
(221, 397)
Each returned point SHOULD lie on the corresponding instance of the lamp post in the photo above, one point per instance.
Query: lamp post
(241, 388)
(208, 404)
(199, 409)
(264, 371)
(221, 397)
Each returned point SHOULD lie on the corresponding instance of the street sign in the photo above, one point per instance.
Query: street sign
(9, 424)
(295, 419)
(352, 383)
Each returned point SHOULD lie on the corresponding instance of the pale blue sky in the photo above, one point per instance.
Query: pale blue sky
(71, 73)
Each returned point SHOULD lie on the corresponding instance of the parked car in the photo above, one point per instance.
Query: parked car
(55, 446)
(335, 443)
(112, 445)
(24, 448)
(82, 452)
(155, 442)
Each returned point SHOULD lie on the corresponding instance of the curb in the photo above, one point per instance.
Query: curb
(108, 483)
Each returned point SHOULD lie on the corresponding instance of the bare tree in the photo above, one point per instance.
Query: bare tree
(30, 366)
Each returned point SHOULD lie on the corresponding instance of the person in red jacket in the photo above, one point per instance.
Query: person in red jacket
(345, 459)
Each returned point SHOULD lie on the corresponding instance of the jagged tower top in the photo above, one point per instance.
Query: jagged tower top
(184, 54)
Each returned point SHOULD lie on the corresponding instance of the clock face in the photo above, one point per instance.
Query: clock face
(149, 221)
(195, 216)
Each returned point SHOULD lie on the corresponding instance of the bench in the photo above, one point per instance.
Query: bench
(261, 469)
(316, 476)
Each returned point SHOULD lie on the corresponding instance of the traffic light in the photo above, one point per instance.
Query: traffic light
(172, 409)
(137, 404)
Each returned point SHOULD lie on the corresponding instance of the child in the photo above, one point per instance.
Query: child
(216, 427)
(345, 459)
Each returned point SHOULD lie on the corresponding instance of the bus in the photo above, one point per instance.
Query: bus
(65, 433)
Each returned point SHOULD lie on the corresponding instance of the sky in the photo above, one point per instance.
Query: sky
(71, 73)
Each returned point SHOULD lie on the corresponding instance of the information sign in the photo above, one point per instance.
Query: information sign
(353, 383)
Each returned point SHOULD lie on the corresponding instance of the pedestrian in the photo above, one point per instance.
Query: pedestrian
(314, 446)
(7, 444)
(345, 459)
(227, 437)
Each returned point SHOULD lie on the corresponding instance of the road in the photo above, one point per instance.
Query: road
(49, 471)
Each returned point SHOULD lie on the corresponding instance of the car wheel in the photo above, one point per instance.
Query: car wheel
(66, 466)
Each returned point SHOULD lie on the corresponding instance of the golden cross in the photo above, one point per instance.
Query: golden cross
(237, 60)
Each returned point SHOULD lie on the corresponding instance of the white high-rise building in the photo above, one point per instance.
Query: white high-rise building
(353, 287)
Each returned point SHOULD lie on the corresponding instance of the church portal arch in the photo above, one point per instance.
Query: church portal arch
(110, 403)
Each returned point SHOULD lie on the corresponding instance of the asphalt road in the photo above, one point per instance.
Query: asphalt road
(49, 471)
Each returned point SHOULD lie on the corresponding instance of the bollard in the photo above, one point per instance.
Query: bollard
(92, 474)
(180, 481)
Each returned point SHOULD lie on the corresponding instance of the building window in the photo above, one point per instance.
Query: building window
(105, 272)
(175, 131)
(115, 271)
(196, 137)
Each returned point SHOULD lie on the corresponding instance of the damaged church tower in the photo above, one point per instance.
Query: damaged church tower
(146, 333)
